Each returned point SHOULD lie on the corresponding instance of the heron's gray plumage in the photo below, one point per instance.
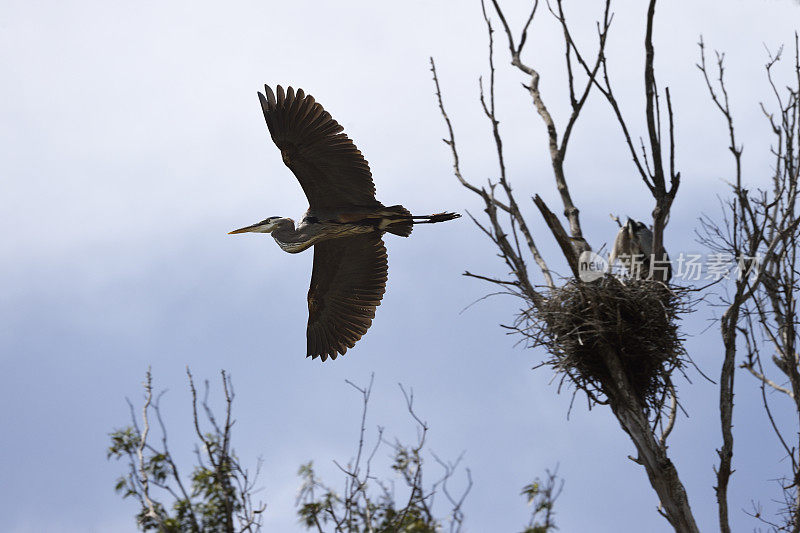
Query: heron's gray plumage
(633, 247)
(296, 239)
(347, 284)
(329, 167)
(344, 222)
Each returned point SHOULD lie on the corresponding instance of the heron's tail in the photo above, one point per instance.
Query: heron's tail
(404, 223)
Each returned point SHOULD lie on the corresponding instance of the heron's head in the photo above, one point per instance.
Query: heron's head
(265, 226)
(634, 226)
(630, 227)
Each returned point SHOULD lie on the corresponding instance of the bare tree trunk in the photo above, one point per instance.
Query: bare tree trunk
(660, 470)
(728, 326)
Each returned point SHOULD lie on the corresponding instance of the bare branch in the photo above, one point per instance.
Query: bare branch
(143, 477)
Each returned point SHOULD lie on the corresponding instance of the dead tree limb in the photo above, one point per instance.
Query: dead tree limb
(639, 416)
(760, 231)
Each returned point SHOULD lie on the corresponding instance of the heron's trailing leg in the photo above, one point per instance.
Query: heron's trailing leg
(403, 224)
(432, 219)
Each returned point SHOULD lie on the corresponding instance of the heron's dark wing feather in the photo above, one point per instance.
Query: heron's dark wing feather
(347, 284)
(329, 167)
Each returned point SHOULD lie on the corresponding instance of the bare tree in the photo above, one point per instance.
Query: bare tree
(368, 503)
(217, 497)
(760, 231)
(617, 342)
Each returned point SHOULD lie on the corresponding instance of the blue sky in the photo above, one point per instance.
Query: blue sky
(131, 141)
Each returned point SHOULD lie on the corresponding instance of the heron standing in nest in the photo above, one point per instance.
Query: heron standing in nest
(344, 222)
(634, 248)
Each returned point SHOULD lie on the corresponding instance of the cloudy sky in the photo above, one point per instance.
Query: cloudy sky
(131, 141)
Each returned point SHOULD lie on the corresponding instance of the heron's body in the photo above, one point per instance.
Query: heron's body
(344, 222)
(314, 228)
(307, 234)
(634, 249)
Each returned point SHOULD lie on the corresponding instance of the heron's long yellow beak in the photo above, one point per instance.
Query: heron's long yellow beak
(246, 229)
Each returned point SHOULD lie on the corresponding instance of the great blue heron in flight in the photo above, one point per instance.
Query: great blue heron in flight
(344, 221)
(634, 248)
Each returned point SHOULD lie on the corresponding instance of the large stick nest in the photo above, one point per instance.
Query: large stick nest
(637, 319)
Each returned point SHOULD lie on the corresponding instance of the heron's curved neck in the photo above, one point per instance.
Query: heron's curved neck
(291, 239)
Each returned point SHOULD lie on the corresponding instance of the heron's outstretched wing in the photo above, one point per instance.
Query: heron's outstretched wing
(347, 284)
(329, 167)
